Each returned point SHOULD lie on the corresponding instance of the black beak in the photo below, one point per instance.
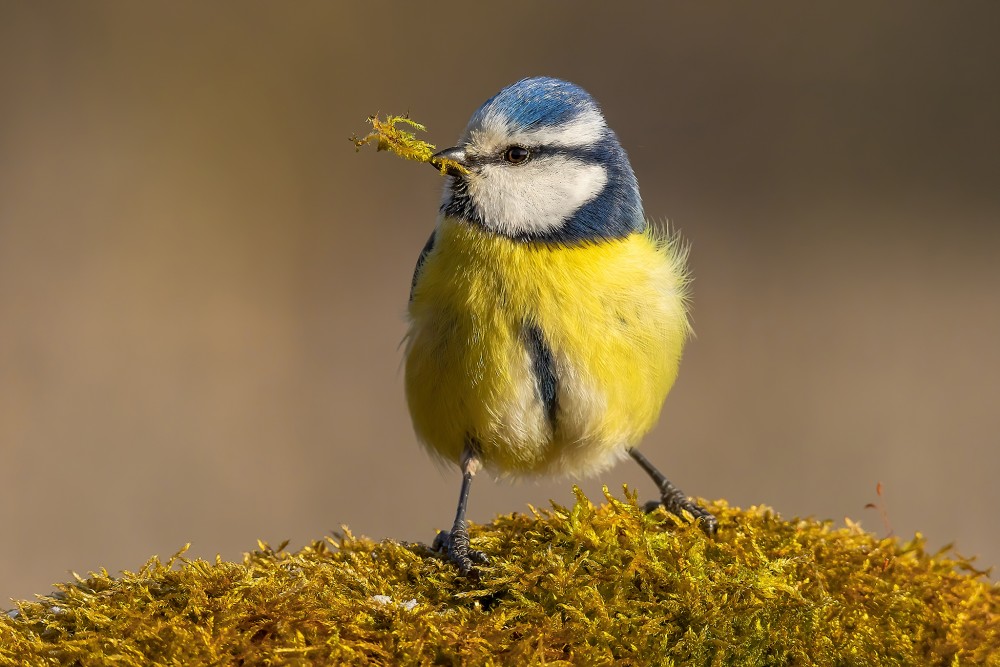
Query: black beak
(455, 155)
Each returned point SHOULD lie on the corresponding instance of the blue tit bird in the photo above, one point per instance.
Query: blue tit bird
(546, 317)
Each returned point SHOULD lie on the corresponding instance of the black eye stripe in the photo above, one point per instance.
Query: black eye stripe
(590, 154)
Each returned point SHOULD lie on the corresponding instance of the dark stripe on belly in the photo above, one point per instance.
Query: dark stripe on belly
(544, 367)
(428, 247)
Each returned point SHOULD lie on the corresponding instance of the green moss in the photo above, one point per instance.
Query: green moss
(387, 135)
(582, 585)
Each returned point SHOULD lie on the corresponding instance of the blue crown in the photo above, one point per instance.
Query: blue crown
(536, 102)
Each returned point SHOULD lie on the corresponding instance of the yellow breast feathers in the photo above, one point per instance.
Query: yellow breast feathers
(550, 359)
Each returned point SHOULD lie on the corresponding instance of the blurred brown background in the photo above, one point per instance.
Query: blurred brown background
(202, 286)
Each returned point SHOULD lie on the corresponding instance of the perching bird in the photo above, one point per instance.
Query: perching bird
(547, 316)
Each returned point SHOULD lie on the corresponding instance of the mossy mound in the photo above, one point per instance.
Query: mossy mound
(583, 585)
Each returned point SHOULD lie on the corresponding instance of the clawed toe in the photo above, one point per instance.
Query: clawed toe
(651, 506)
(702, 516)
(673, 499)
(458, 552)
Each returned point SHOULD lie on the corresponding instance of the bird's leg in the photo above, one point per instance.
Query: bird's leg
(673, 499)
(455, 543)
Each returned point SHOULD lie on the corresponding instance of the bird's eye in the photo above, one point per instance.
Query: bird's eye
(516, 155)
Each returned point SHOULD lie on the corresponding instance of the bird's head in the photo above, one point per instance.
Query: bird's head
(543, 165)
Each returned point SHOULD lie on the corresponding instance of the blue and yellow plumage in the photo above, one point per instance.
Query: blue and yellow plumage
(547, 317)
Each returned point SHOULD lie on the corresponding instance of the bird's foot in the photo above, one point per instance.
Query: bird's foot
(677, 503)
(455, 545)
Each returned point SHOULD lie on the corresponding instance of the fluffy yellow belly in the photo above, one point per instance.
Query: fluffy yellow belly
(612, 315)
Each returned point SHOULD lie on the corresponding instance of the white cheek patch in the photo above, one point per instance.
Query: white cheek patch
(536, 197)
